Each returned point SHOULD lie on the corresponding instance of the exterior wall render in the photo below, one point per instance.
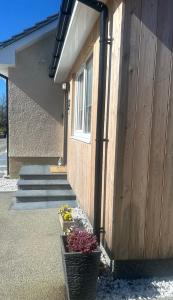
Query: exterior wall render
(35, 105)
(15, 163)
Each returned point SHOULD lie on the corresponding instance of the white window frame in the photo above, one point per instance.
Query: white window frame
(80, 134)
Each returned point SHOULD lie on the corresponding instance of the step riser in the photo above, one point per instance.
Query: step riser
(42, 199)
(44, 187)
(43, 177)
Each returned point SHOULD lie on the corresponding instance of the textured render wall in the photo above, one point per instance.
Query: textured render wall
(35, 104)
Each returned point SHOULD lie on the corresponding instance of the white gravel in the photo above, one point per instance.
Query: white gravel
(79, 214)
(116, 289)
(111, 289)
(8, 185)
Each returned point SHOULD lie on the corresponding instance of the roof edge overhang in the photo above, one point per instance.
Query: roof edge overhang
(7, 54)
(82, 21)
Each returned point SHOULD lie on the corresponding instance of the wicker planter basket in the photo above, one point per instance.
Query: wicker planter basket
(81, 273)
(65, 224)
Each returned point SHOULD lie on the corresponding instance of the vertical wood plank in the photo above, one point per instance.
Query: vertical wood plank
(143, 128)
(154, 212)
(113, 81)
(166, 213)
(166, 222)
(132, 31)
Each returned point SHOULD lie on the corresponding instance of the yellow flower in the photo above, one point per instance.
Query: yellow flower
(64, 209)
(67, 216)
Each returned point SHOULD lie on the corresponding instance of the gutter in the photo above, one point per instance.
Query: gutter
(103, 10)
(63, 22)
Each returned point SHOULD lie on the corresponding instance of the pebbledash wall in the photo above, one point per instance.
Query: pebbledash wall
(35, 109)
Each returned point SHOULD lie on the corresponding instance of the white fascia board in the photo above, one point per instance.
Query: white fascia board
(7, 54)
(81, 24)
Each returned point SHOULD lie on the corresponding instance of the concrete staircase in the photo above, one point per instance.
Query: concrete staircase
(39, 184)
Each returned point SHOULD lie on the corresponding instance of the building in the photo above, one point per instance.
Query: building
(127, 191)
(35, 103)
(114, 62)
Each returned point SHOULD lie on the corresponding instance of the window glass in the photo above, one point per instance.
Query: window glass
(83, 100)
(79, 108)
(88, 101)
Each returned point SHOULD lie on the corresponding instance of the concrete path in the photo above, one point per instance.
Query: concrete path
(30, 257)
(3, 157)
(3, 145)
(3, 164)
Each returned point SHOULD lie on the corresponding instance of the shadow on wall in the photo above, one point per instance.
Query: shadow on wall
(31, 77)
(148, 34)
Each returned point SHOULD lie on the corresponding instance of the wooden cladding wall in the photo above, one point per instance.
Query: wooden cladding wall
(81, 156)
(143, 207)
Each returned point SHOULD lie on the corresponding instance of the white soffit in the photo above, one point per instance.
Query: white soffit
(82, 21)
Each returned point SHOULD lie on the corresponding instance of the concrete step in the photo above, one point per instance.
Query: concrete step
(52, 184)
(40, 172)
(44, 195)
(41, 205)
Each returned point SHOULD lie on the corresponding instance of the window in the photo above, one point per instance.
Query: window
(83, 101)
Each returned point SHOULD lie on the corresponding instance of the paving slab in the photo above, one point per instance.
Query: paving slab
(36, 170)
(30, 256)
(44, 195)
(41, 204)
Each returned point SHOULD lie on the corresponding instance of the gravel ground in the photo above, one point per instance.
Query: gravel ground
(115, 289)
(110, 289)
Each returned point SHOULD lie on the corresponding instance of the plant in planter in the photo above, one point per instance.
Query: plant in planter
(65, 217)
(81, 258)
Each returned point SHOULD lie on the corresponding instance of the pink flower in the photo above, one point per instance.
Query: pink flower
(81, 241)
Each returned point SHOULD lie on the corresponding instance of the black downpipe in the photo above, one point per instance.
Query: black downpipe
(102, 8)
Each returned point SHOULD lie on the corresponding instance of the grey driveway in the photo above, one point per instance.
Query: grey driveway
(3, 145)
(3, 157)
(3, 164)
(30, 254)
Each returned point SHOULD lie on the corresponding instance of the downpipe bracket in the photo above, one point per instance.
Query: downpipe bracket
(102, 140)
(108, 41)
(102, 230)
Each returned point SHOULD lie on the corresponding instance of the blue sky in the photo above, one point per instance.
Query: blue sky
(17, 15)
(2, 88)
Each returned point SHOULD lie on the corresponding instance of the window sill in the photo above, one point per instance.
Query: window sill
(84, 139)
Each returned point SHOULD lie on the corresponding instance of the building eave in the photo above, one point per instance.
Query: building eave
(82, 21)
(8, 49)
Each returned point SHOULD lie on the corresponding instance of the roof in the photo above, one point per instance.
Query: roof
(78, 29)
(28, 31)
